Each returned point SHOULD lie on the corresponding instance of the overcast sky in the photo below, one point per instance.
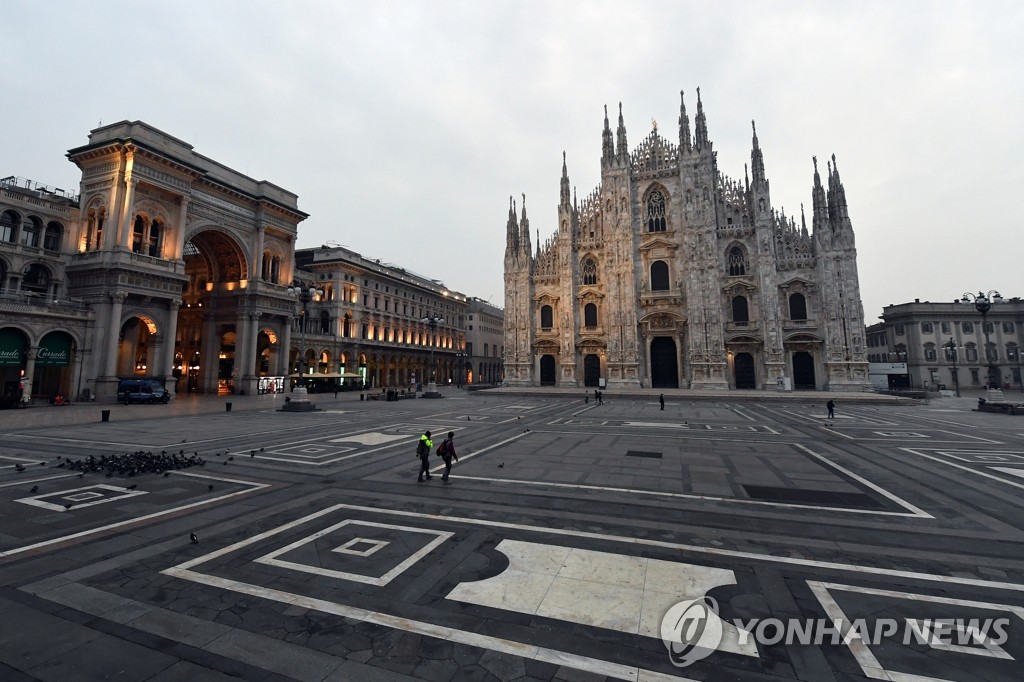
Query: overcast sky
(404, 127)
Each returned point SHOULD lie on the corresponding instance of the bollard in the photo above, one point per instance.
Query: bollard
(104, 415)
(227, 407)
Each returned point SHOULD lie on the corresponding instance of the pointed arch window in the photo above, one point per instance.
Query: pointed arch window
(346, 329)
(546, 317)
(589, 271)
(138, 234)
(797, 307)
(325, 322)
(659, 276)
(656, 212)
(94, 235)
(156, 233)
(590, 315)
(737, 261)
(740, 311)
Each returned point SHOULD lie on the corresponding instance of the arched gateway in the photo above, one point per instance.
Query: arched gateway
(191, 288)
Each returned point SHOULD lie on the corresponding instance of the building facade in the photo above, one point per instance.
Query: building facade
(670, 274)
(485, 343)
(950, 345)
(166, 265)
(373, 320)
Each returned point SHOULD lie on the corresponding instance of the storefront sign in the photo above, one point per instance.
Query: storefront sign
(12, 348)
(54, 351)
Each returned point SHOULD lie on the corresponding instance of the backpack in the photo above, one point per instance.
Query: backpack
(421, 448)
(442, 449)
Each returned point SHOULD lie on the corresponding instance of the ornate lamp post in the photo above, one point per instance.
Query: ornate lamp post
(983, 303)
(305, 293)
(433, 321)
(951, 353)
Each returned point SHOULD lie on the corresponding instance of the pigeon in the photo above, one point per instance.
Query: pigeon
(184, 440)
(252, 453)
(34, 489)
(166, 474)
(261, 449)
(42, 464)
(67, 506)
(210, 487)
(468, 419)
(501, 465)
(194, 538)
(133, 486)
(19, 467)
(231, 459)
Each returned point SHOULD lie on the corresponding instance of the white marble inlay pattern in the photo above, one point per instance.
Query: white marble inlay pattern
(371, 438)
(349, 547)
(615, 591)
(272, 560)
(1010, 470)
(111, 493)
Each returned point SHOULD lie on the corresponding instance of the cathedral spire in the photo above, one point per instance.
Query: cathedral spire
(685, 145)
(803, 220)
(757, 162)
(836, 193)
(819, 205)
(565, 183)
(511, 229)
(620, 136)
(524, 227)
(701, 127)
(607, 146)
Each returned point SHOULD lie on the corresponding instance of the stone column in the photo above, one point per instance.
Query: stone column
(284, 349)
(127, 218)
(166, 366)
(113, 334)
(179, 231)
(30, 366)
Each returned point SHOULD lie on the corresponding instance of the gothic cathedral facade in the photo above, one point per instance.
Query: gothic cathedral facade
(672, 275)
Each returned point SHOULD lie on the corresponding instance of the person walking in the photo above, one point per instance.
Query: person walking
(661, 399)
(423, 452)
(447, 452)
(831, 409)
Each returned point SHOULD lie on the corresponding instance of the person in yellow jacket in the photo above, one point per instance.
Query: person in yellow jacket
(423, 449)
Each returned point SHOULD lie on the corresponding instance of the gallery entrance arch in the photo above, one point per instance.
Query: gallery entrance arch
(52, 375)
(547, 370)
(664, 363)
(211, 300)
(803, 371)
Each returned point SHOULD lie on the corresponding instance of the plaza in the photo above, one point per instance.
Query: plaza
(570, 528)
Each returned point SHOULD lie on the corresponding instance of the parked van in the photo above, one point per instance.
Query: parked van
(141, 391)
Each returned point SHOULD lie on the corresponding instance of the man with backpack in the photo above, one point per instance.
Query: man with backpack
(446, 451)
(423, 452)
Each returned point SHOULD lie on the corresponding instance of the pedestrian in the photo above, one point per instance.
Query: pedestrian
(831, 409)
(423, 452)
(446, 451)
(661, 399)
(600, 397)
(335, 388)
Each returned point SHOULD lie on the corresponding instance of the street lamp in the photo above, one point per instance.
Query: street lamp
(433, 321)
(460, 368)
(305, 293)
(983, 303)
(951, 353)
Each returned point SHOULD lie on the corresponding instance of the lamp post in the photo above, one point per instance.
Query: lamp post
(951, 352)
(433, 321)
(460, 368)
(901, 356)
(983, 304)
(305, 293)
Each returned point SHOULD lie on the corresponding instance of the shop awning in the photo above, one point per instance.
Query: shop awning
(12, 348)
(54, 351)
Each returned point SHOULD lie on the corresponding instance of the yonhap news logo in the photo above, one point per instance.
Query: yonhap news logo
(692, 630)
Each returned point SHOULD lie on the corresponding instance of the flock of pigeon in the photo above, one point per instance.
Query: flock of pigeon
(132, 463)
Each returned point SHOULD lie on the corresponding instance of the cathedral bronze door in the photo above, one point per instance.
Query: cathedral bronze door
(803, 371)
(547, 370)
(743, 365)
(664, 363)
(591, 370)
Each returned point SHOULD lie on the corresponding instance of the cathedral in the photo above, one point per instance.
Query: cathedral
(671, 274)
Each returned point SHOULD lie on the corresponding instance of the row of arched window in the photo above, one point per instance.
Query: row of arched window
(36, 278)
(30, 231)
(736, 262)
(547, 315)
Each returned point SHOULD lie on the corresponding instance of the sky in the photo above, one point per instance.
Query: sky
(404, 127)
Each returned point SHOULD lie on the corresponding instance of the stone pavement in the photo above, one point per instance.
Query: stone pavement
(572, 537)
